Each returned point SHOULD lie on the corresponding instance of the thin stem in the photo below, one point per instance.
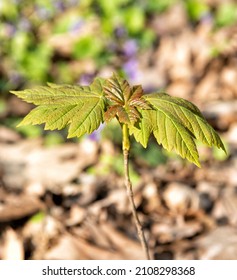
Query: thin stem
(128, 184)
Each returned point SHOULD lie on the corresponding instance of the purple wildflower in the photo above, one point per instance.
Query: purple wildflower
(75, 26)
(43, 13)
(130, 68)
(86, 79)
(206, 18)
(15, 79)
(59, 5)
(24, 24)
(96, 135)
(120, 32)
(130, 48)
(73, 2)
(9, 30)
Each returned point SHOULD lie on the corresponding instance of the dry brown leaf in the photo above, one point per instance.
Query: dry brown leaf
(12, 248)
(207, 88)
(130, 249)
(180, 88)
(151, 195)
(77, 215)
(226, 206)
(181, 198)
(116, 197)
(8, 135)
(27, 161)
(231, 135)
(15, 207)
(171, 21)
(219, 244)
(75, 248)
(224, 113)
(41, 234)
(65, 249)
(170, 232)
(105, 240)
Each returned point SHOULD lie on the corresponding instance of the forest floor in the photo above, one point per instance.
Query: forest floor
(69, 201)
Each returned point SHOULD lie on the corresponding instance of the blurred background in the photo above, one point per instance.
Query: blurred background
(65, 199)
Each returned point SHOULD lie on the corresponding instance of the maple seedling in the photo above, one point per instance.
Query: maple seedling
(174, 122)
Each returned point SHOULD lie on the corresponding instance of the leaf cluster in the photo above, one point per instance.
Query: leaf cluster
(174, 122)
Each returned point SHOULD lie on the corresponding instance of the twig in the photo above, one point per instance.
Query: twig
(128, 184)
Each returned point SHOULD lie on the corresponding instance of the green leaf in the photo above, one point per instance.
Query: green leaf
(169, 132)
(80, 107)
(189, 116)
(175, 123)
(144, 128)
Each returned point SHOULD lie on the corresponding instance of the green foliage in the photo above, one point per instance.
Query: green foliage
(226, 14)
(112, 132)
(3, 106)
(80, 107)
(29, 131)
(87, 46)
(160, 6)
(218, 155)
(196, 9)
(8, 9)
(53, 139)
(151, 156)
(38, 217)
(134, 19)
(107, 165)
(174, 122)
(44, 40)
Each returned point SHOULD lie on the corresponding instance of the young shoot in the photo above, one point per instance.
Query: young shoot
(175, 122)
